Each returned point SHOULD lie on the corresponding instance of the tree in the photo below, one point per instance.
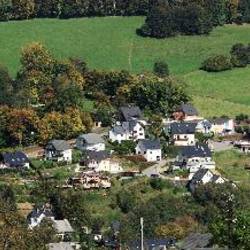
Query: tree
(47, 8)
(36, 57)
(126, 201)
(5, 86)
(161, 69)
(5, 9)
(22, 126)
(156, 95)
(23, 9)
(217, 63)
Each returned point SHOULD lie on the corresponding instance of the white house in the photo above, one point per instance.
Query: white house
(204, 127)
(149, 149)
(130, 113)
(15, 160)
(58, 150)
(63, 229)
(132, 130)
(222, 126)
(204, 176)
(243, 146)
(102, 161)
(194, 158)
(182, 133)
(38, 214)
(90, 141)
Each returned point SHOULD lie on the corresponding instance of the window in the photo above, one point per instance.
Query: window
(145, 152)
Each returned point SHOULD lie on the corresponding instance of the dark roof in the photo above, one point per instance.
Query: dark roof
(152, 243)
(97, 155)
(150, 144)
(182, 128)
(197, 177)
(188, 109)
(15, 160)
(118, 129)
(196, 240)
(220, 120)
(59, 145)
(91, 138)
(199, 150)
(130, 112)
(37, 212)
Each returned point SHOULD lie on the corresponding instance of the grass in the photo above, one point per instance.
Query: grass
(232, 164)
(110, 43)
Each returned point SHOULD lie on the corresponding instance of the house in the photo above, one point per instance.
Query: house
(182, 133)
(149, 149)
(64, 246)
(102, 161)
(222, 126)
(204, 127)
(152, 244)
(194, 158)
(130, 112)
(63, 229)
(90, 180)
(15, 160)
(186, 112)
(204, 176)
(131, 130)
(38, 214)
(242, 146)
(58, 150)
(90, 141)
(197, 241)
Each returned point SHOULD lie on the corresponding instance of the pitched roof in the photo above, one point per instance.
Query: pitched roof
(61, 246)
(91, 138)
(219, 120)
(182, 128)
(59, 145)
(118, 129)
(63, 226)
(37, 212)
(152, 243)
(199, 150)
(97, 155)
(150, 144)
(130, 112)
(198, 176)
(196, 240)
(188, 109)
(15, 160)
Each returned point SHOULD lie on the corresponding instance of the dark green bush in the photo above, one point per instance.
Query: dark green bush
(217, 63)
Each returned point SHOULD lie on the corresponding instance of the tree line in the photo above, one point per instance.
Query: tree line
(25, 9)
(49, 98)
(168, 18)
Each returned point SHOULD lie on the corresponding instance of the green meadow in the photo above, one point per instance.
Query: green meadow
(110, 43)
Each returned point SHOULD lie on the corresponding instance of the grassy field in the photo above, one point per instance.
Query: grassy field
(231, 164)
(111, 43)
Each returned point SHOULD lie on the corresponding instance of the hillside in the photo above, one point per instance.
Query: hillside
(111, 43)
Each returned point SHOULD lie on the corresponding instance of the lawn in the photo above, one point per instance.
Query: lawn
(231, 164)
(111, 43)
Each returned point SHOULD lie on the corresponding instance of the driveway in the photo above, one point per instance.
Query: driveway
(221, 146)
(155, 169)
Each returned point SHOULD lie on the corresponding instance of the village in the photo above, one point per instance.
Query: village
(191, 163)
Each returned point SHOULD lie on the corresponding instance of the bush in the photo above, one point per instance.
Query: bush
(217, 63)
(161, 69)
(240, 55)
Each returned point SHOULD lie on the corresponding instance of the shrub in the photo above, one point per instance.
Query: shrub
(217, 63)
(161, 69)
(240, 55)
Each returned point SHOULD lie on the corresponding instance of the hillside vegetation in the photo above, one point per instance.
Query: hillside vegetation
(111, 43)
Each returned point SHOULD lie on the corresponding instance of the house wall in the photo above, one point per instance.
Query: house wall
(117, 137)
(184, 139)
(207, 177)
(153, 155)
(107, 165)
(92, 147)
(65, 155)
(138, 132)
